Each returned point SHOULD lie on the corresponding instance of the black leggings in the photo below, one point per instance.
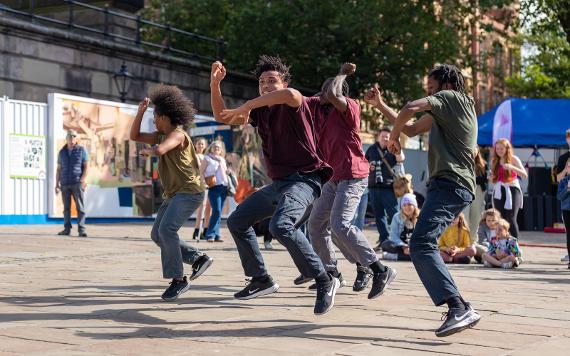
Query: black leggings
(510, 215)
(566, 218)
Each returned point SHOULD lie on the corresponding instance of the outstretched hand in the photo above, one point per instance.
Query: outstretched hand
(373, 96)
(394, 146)
(218, 72)
(143, 105)
(237, 116)
(348, 68)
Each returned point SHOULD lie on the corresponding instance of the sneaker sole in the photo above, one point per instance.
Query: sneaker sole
(202, 269)
(388, 282)
(467, 324)
(186, 289)
(274, 288)
(336, 287)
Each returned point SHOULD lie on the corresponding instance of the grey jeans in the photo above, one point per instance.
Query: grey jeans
(75, 190)
(172, 214)
(331, 221)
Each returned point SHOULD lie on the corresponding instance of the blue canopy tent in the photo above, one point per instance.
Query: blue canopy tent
(535, 123)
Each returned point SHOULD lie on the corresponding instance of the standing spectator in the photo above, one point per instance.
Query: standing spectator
(504, 250)
(380, 182)
(455, 243)
(215, 173)
(473, 211)
(506, 168)
(397, 248)
(561, 173)
(70, 179)
(564, 197)
(203, 212)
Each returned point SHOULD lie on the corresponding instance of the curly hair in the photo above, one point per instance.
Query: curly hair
(449, 74)
(268, 63)
(171, 102)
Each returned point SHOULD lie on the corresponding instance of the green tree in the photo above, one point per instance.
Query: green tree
(546, 35)
(393, 43)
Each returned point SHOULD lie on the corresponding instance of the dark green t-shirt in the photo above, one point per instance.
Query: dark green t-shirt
(453, 138)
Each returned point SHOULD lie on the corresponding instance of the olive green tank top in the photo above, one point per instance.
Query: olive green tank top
(179, 169)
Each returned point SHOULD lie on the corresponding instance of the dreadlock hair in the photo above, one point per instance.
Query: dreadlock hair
(269, 63)
(449, 74)
(171, 102)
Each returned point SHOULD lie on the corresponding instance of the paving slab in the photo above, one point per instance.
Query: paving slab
(101, 296)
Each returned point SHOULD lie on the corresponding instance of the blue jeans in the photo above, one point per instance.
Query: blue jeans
(172, 214)
(360, 215)
(445, 200)
(385, 205)
(287, 202)
(75, 190)
(217, 196)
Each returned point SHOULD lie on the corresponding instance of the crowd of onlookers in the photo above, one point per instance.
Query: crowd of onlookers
(488, 236)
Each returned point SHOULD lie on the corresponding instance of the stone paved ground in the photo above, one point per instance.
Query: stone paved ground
(100, 295)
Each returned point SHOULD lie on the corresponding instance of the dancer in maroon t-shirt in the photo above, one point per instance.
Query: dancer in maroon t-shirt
(338, 127)
(285, 124)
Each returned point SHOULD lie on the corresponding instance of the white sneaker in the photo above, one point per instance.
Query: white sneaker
(507, 265)
(565, 259)
(487, 264)
(268, 245)
(389, 256)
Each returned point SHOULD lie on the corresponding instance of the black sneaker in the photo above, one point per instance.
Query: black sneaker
(456, 320)
(200, 266)
(363, 276)
(64, 233)
(301, 280)
(380, 281)
(257, 288)
(378, 248)
(82, 234)
(325, 296)
(176, 288)
(334, 274)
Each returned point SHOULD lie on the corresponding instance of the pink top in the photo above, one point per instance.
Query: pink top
(501, 175)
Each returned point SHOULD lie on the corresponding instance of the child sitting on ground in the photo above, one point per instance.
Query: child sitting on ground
(403, 224)
(486, 231)
(504, 250)
(455, 242)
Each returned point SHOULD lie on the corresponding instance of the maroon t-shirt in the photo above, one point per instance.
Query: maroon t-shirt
(339, 140)
(289, 141)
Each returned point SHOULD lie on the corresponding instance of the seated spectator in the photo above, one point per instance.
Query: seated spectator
(504, 250)
(403, 223)
(455, 242)
(485, 232)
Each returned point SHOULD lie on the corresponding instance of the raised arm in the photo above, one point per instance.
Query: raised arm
(374, 98)
(173, 140)
(240, 115)
(217, 74)
(136, 134)
(404, 116)
(333, 91)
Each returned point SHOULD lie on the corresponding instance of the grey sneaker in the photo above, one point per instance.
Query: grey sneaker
(456, 320)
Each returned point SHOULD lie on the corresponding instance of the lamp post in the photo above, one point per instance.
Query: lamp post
(123, 80)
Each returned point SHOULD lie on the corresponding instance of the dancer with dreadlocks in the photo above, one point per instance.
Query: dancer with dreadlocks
(452, 123)
(179, 173)
(286, 127)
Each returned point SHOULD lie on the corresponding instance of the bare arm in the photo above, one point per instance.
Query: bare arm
(217, 74)
(404, 116)
(239, 116)
(333, 92)
(136, 134)
(84, 174)
(518, 167)
(374, 98)
(173, 140)
(57, 176)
